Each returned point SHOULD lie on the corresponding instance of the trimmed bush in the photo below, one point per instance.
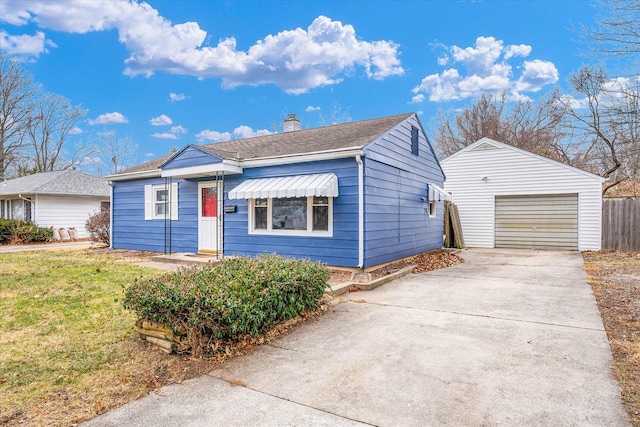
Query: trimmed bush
(99, 227)
(238, 297)
(16, 231)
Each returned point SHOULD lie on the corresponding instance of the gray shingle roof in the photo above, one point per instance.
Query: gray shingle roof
(67, 182)
(327, 138)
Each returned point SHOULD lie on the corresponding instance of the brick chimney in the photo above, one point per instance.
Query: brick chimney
(291, 123)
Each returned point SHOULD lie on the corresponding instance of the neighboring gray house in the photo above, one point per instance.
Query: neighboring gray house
(60, 199)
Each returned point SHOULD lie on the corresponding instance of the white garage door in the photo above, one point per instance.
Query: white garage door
(539, 222)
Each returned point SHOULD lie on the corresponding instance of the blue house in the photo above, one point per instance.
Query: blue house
(356, 194)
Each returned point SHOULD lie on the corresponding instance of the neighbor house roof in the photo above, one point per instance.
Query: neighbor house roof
(300, 142)
(67, 182)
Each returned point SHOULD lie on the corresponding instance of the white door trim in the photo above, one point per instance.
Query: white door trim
(216, 247)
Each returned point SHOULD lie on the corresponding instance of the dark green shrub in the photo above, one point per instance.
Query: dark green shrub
(8, 229)
(240, 296)
(17, 231)
(30, 233)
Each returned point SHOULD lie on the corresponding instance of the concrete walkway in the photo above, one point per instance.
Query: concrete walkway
(507, 338)
(45, 246)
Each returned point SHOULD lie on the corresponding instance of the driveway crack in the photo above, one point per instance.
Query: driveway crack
(381, 304)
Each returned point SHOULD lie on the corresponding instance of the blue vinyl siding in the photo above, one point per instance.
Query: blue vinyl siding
(131, 231)
(397, 222)
(341, 249)
(191, 156)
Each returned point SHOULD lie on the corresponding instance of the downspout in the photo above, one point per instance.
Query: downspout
(360, 211)
(26, 200)
(110, 214)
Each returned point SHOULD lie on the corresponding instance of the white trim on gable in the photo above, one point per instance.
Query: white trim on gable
(498, 144)
(225, 166)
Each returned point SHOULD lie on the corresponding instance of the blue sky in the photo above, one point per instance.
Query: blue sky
(170, 73)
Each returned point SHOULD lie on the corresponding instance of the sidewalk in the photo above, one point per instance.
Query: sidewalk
(45, 246)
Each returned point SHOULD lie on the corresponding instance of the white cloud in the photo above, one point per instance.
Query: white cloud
(174, 133)
(178, 130)
(484, 68)
(311, 108)
(164, 135)
(24, 46)
(241, 132)
(537, 74)
(161, 120)
(213, 136)
(417, 99)
(149, 155)
(295, 60)
(109, 119)
(176, 97)
(443, 60)
(519, 50)
(75, 131)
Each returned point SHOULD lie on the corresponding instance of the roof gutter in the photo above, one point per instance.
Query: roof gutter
(360, 211)
(133, 175)
(341, 153)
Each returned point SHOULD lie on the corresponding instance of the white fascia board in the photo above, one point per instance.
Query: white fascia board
(202, 170)
(302, 158)
(498, 144)
(133, 175)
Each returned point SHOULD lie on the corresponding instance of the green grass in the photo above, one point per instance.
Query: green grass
(62, 324)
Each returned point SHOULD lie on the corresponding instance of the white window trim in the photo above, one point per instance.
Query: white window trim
(309, 232)
(150, 202)
(433, 208)
(155, 201)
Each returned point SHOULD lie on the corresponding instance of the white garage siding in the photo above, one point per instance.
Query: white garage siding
(487, 169)
(66, 211)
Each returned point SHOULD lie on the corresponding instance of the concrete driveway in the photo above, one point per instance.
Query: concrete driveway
(507, 338)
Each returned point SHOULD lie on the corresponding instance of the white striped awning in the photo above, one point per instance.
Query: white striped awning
(321, 185)
(438, 194)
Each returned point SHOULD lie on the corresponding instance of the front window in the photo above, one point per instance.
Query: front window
(160, 202)
(292, 216)
(290, 213)
(260, 214)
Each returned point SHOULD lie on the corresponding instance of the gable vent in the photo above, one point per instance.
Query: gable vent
(485, 146)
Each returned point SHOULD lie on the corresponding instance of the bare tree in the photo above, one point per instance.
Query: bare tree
(618, 29)
(17, 92)
(51, 120)
(114, 152)
(604, 115)
(533, 126)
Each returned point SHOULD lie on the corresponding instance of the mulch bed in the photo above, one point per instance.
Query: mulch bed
(615, 280)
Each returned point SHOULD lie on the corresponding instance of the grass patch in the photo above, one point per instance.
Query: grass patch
(615, 279)
(69, 350)
(62, 326)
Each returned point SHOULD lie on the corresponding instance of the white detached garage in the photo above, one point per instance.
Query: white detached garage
(511, 198)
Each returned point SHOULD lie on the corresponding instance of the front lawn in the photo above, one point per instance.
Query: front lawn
(68, 350)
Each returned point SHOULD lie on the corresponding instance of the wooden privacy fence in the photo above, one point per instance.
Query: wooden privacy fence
(621, 224)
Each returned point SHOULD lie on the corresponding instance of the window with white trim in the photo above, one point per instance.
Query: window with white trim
(432, 208)
(161, 202)
(298, 216)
